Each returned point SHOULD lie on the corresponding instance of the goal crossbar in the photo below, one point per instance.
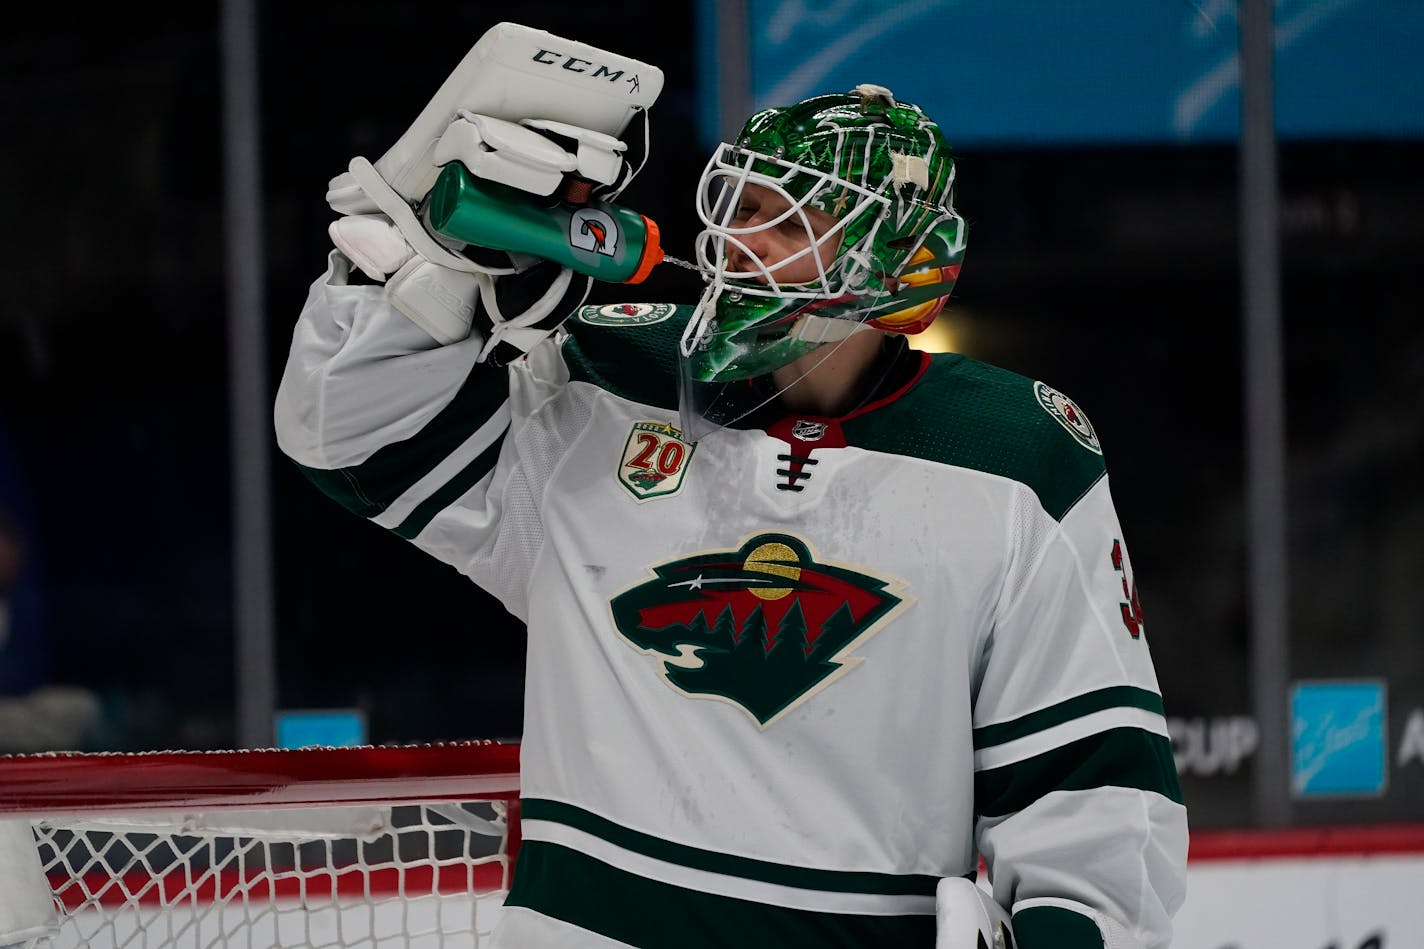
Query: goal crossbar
(64, 783)
(319, 847)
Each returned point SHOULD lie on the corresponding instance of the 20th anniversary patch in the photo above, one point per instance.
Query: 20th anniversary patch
(654, 460)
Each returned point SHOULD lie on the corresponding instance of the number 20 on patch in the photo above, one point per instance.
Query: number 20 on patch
(655, 460)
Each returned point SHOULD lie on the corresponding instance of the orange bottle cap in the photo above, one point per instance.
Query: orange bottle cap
(652, 252)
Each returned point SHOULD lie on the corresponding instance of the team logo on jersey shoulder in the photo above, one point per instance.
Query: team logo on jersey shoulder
(1066, 413)
(655, 459)
(764, 627)
(626, 314)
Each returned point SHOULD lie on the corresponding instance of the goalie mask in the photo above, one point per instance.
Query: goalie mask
(861, 187)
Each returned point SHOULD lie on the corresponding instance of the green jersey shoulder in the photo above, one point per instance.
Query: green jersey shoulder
(963, 412)
(958, 411)
(629, 349)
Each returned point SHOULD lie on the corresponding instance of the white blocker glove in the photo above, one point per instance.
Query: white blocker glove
(437, 297)
(511, 301)
(429, 279)
(443, 285)
(533, 154)
(506, 80)
(534, 129)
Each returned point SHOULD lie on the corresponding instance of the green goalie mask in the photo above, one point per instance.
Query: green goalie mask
(884, 174)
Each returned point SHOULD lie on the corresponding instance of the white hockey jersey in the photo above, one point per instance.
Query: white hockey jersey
(782, 680)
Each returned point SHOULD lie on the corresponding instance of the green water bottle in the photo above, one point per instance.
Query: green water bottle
(602, 240)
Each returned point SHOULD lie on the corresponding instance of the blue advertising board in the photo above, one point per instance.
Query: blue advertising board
(1338, 745)
(324, 728)
(1026, 72)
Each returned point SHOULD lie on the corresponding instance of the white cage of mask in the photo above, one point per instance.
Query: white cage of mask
(378, 847)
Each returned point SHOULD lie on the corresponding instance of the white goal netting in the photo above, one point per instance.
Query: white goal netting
(319, 848)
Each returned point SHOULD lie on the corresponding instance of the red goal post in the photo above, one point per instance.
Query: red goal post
(373, 846)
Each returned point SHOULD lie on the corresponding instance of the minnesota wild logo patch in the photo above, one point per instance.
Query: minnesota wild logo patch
(1066, 413)
(626, 314)
(654, 460)
(764, 627)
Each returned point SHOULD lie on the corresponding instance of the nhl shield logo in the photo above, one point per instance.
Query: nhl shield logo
(808, 431)
(1066, 413)
(654, 460)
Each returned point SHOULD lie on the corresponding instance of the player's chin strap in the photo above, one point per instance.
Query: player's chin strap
(809, 328)
(813, 328)
(826, 329)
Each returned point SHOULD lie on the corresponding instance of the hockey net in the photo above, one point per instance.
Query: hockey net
(332, 847)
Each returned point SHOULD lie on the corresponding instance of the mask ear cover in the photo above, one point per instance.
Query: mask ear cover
(924, 283)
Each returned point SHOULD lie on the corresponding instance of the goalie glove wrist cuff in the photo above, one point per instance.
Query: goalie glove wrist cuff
(439, 300)
(511, 314)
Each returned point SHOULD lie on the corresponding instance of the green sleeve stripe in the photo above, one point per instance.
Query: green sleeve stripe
(564, 884)
(341, 486)
(1055, 927)
(1117, 696)
(1119, 757)
(836, 881)
(444, 496)
(369, 488)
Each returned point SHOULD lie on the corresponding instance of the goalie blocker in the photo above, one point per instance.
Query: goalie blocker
(525, 110)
